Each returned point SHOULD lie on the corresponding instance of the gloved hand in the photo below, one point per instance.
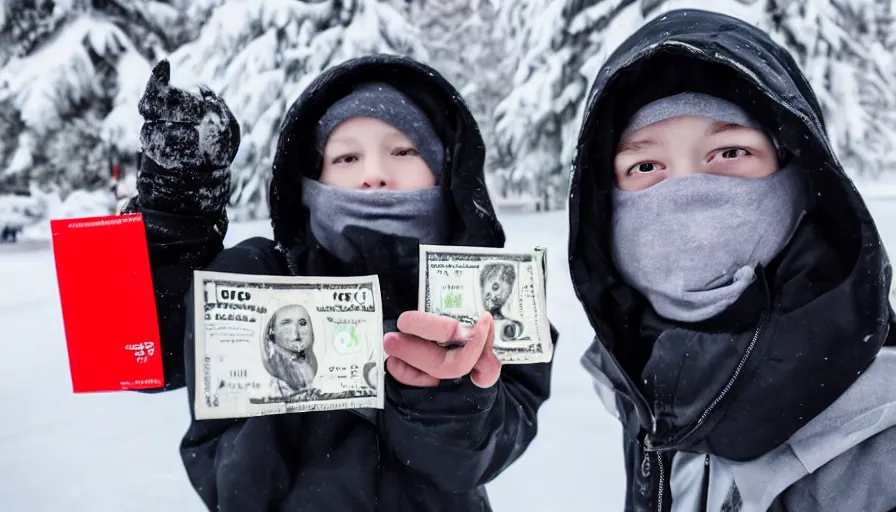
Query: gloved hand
(189, 142)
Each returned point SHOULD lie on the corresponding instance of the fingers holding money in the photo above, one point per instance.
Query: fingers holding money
(419, 345)
(487, 369)
(408, 375)
(429, 326)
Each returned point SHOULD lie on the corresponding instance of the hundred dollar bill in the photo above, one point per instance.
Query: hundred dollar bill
(465, 282)
(273, 344)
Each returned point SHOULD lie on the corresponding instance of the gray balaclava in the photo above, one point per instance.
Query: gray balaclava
(690, 244)
(386, 103)
(418, 214)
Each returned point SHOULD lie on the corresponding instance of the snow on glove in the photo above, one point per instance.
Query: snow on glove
(188, 143)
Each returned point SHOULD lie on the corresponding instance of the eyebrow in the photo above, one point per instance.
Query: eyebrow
(396, 137)
(637, 145)
(343, 140)
(724, 127)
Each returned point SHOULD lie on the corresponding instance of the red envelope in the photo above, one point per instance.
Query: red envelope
(108, 303)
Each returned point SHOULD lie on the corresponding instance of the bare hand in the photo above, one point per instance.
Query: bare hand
(418, 357)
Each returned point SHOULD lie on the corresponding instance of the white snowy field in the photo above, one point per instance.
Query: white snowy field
(117, 452)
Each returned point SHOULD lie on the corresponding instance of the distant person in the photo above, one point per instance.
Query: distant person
(378, 155)
(10, 233)
(735, 280)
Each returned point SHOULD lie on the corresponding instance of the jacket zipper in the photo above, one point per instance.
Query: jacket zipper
(725, 390)
(661, 469)
(659, 465)
(705, 498)
(650, 448)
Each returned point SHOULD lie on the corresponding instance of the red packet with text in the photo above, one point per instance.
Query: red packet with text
(108, 303)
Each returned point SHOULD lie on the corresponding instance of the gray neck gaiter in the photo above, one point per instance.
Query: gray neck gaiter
(690, 244)
(419, 214)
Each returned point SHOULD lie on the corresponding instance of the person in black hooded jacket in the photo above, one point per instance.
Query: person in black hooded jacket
(734, 278)
(453, 418)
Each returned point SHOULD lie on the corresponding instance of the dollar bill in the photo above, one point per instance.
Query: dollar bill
(465, 282)
(273, 344)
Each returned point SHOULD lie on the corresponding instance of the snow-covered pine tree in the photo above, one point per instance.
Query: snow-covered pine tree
(838, 44)
(466, 44)
(70, 84)
(260, 55)
(558, 57)
(538, 121)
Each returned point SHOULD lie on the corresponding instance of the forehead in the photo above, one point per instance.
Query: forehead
(690, 127)
(356, 128)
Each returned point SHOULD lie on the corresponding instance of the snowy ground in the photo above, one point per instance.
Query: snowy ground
(117, 452)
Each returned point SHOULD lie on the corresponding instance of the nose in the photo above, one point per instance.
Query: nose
(684, 166)
(678, 171)
(375, 174)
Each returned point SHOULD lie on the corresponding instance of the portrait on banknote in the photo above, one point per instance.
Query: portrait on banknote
(466, 282)
(287, 350)
(496, 280)
(273, 344)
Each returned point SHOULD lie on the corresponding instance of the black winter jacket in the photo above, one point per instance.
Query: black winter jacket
(430, 449)
(738, 385)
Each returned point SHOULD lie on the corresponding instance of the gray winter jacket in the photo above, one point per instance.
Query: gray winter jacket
(790, 389)
(844, 460)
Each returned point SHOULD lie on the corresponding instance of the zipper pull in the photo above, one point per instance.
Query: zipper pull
(645, 464)
(645, 461)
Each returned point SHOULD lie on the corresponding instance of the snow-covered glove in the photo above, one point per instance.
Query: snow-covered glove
(189, 141)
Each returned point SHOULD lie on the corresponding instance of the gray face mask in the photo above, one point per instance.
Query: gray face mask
(419, 214)
(690, 244)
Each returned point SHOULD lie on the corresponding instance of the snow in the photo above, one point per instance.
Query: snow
(119, 128)
(32, 212)
(525, 83)
(51, 81)
(117, 452)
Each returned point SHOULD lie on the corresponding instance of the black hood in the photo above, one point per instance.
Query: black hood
(475, 222)
(742, 383)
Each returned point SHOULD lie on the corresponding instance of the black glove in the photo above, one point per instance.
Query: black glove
(188, 143)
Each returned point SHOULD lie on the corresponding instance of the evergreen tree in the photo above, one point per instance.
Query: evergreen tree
(538, 121)
(838, 44)
(465, 42)
(73, 73)
(844, 46)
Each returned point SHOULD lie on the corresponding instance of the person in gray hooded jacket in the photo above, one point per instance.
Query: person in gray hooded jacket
(736, 282)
